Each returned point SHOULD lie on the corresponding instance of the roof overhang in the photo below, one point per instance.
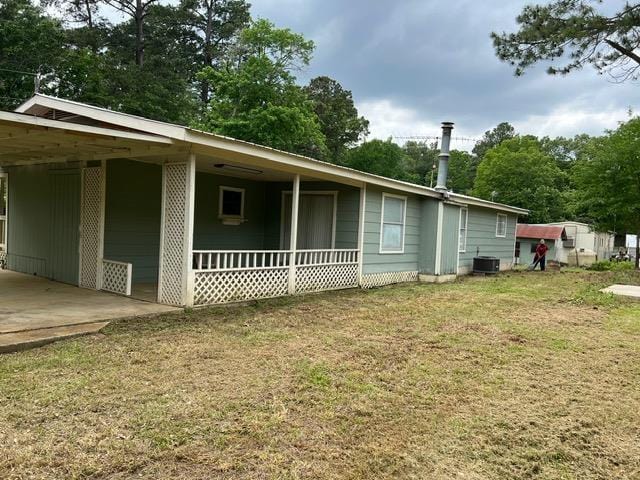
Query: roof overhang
(73, 119)
(25, 139)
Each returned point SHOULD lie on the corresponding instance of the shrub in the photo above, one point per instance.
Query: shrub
(609, 266)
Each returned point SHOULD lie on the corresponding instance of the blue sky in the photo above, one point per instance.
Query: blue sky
(414, 63)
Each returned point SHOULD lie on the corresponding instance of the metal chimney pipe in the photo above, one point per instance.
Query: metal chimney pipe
(443, 158)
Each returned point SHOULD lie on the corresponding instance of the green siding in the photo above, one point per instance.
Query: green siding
(32, 245)
(428, 235)
(373, 260)
(65, 226)
(450, 238)
(132, 217)
(347, 213)
(481, 238)
(210, 233)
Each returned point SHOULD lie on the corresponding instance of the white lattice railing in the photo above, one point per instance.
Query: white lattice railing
(116, 277)
(240, 259)
(228, 276)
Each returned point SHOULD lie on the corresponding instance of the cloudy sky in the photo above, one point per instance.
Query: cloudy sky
(414, 63)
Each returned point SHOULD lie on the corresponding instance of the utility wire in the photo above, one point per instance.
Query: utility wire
(33, 74)
(436, 138)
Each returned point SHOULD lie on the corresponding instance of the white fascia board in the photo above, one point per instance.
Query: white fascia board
(133, 122)
(488, 204)
(25, 121)
(311, 165)
(299, 162)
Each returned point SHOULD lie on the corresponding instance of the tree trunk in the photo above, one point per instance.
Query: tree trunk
(208, 58)
(139, 33)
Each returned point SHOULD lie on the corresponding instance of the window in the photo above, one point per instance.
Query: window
(501, 225)
(394, 209)
(231, 205)
(533, 247)
(462, 239)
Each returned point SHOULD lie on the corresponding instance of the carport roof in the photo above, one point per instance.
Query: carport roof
(47, 129)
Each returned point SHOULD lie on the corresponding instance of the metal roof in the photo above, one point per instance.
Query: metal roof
(548, 232)
(67, 116)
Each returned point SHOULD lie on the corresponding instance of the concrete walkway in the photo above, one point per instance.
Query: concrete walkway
(632, 291)
(29, 303)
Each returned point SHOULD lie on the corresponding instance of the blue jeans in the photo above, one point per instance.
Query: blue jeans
(540, 261)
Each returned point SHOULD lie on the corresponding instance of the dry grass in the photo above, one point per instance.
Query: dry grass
(527, 375)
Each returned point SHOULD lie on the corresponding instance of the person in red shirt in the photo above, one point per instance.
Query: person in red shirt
(541, 255)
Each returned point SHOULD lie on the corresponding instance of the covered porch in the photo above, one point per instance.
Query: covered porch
(170, 221)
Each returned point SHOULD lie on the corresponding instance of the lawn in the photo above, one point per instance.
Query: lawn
(526, 375)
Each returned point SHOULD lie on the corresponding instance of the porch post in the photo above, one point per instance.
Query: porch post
(293, 241)
(363, 200)
(175, 277)
(92, 208)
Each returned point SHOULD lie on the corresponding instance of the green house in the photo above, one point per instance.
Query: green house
(114, 202)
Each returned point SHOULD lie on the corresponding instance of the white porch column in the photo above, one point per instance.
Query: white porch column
(175, 278)
(293, 241)
(363, 201)
(92, 208)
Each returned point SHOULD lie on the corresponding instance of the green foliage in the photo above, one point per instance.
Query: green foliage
(606, 177)
(338, 116)
(381, 158)
(519, 173)
(462, 171)
(493, 138)
(609, 266)
(30, 41)
(421, 161)
(576, 32)
(257, 99)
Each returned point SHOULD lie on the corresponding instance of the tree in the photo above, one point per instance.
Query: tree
(493, 138)
(576, 31)
(517, 172)
(462, 171)
(137, 10)
(216, 24)
(381, 158)
(608, 181)
(422, 161)
(255, 98)
(338, 116)
(30, 42)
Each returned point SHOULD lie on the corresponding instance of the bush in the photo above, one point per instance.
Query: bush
(609, 266)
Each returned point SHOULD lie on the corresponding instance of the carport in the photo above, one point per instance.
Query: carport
(36, 308)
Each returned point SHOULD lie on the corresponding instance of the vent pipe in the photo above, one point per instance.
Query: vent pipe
(443, 158)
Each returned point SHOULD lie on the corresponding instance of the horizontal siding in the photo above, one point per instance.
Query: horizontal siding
(209, 231)
(373, 260)
(482, 240)
(132, 217)
(348, 211)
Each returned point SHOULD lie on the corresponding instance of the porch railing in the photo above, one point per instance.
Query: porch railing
(223, 276)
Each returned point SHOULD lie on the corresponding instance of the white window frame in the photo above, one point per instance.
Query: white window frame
(506, 223)
(221, 215)
(462, 240)
(382, 251)
(284, 220)
(3, 218)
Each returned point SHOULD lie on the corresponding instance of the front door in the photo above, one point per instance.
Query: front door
(316, 221)
(65, 226)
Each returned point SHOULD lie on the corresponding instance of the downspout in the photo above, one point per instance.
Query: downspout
(441, 187)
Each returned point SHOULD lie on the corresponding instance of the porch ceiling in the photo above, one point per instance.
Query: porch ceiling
(25, 139)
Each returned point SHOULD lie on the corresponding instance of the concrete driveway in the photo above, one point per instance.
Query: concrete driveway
(32, 303)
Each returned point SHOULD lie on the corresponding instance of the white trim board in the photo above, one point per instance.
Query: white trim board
(404, 224)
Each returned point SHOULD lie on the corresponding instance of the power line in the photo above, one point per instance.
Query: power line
(33, 74)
